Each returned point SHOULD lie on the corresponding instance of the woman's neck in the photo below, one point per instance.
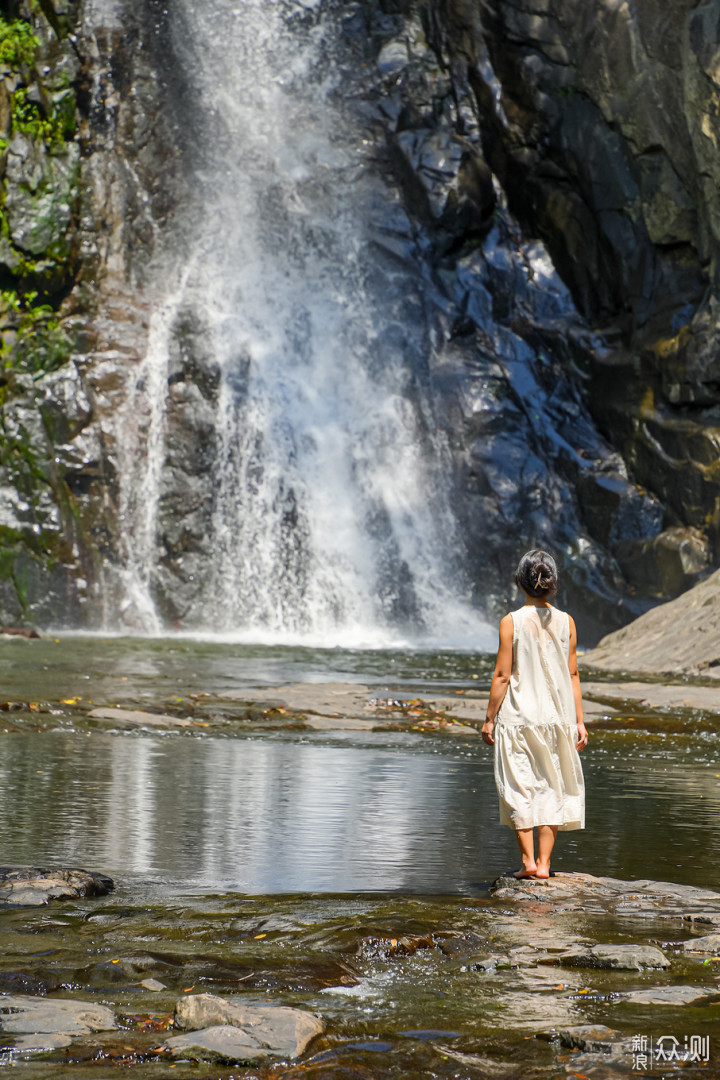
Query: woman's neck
(535, 601)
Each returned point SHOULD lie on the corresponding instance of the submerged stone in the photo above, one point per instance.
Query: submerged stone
(617, 957)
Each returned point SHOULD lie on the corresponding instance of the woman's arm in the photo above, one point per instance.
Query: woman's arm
(577, 692)
(500, 679)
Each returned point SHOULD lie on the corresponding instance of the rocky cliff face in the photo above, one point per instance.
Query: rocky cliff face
(581, 414)
(601, 122)
(89, 175)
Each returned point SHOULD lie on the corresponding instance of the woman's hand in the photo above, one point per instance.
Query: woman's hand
(487, 732)
(582, 736)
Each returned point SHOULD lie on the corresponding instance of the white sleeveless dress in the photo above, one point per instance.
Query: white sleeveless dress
(538, 773)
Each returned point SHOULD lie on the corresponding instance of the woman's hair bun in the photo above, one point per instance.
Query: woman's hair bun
(537, 574)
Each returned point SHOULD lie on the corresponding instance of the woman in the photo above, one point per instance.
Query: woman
(535, 718)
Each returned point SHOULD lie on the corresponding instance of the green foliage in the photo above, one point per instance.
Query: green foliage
(18, 43)
(52, 129)
(41, 345)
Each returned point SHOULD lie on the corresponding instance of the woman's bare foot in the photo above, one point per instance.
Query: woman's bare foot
(542, 871)
(525, 871)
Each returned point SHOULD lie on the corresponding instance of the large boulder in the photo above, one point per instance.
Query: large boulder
(681, 637)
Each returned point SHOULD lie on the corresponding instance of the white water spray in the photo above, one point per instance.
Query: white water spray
(327, 513)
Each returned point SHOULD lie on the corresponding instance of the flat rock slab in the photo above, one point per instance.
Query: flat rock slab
(657, 696)
(670, 995)
(221, 1044)
(130, 718)
(614, 957)
(21, 1014)
(341, 703)
(680, 637)
(32, 886)
(709, 945)
(276, 1030)
(584, 892)
(325, 699)
(336, 723)
(38, 1043)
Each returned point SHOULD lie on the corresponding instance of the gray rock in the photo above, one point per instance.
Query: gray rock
(153, 984)
(670, 995)
(617, 957)
(392, 58)
(276, 1029)
(682, 637)
(33, 886)
(222, 1044)
(707, 945)
(21, 1015)
(131, 718)
(38, 1043)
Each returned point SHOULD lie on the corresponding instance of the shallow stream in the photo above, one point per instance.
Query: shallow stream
(282, 862)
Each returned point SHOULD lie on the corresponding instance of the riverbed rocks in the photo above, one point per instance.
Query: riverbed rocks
(33, 886)
(614, 957)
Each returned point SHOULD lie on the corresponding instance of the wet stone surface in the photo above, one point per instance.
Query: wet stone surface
(32, 886)
(403, 986)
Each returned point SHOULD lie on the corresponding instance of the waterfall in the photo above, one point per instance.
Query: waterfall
(316, 507)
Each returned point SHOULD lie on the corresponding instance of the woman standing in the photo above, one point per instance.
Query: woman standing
(535, 718)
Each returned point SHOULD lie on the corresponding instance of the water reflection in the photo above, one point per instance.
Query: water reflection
(265, 816)
(244, 815)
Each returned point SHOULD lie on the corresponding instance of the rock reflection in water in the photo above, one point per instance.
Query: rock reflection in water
(245, 815)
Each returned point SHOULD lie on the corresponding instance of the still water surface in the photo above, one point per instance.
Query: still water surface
(353, 813)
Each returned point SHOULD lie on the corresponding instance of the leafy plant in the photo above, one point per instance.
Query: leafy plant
(41, 344)
(18, 43)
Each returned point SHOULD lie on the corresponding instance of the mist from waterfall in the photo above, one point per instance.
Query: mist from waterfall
(326, 496)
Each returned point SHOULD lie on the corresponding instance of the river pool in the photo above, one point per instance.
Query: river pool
(315, 836)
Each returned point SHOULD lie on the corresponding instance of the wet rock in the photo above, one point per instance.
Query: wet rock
(565, 892)
(131, 718)
(20, 1015)
(617, 957)
(670, 995)
(654, 695)
(33, 886)
(222, 1044)
(591, 1038)
(37, 1043)
(462, 946)
(707, 945)
(277, 1030)
(153, 985)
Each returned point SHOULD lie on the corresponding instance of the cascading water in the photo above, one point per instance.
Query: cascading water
(320, 511)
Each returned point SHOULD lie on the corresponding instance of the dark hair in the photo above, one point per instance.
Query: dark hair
(537, 574)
